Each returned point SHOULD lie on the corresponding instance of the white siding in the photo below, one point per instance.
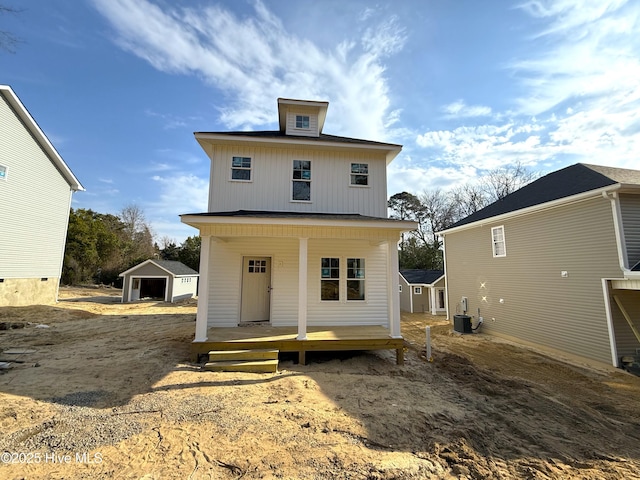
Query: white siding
(35, 202)
(271, 181)
(183, 287)
(226, 279)
(374, 310)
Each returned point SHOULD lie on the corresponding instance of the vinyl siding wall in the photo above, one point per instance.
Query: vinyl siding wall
(270, 187)
(313, 122)
(35, 201)
(225, 270)
(630, 212)
(183, 288)
(538, 305)
(405, 295)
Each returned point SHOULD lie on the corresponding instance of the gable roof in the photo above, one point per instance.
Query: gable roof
(38, 135)
(424, 277)
(567, 182)
(175, 268)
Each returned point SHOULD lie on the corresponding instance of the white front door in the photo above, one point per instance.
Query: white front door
(256, 289)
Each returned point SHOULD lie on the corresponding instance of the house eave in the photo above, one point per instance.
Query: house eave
(40, 137)
(391, 150)
(534, 209)
(196, 220)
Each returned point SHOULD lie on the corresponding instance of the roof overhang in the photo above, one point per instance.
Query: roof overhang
(40, 137)
(600, 192)
(200, 219)
(204, 138)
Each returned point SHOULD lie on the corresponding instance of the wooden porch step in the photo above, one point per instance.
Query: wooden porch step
(254, 366)
(255, 354)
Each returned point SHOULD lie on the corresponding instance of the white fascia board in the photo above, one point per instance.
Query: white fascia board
(126, 272)
(400, 225)
(41, 138)
(534, 209)
(223, 139)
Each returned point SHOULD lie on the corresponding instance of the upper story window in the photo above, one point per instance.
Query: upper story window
(302, 121)
(360, 174)
(241, 169)
(498, 241)
(301, 190)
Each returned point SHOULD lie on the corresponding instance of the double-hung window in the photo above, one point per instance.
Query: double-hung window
(333, 283)
(302, 121)
(241, 169)
(360, 174)
(330, 279)
(498, 242)
(355, 278)
(301, 189)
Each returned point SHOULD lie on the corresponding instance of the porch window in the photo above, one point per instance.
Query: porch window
(355, 279)
(360, 174)
(330, 281)
(417, 290)
(302, 121)
(241, 169)
(498, 241)
(301, 180)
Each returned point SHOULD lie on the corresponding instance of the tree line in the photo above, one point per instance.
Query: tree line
(436, 210)
(100, 246)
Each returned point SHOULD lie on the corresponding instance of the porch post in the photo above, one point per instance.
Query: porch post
(432, 292)
(302, 288)
(203, 291)
(392, 289)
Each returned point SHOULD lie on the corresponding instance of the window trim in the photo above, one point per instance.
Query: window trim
(417, 290)
(495, 243)
(352, 174)
(331, 278)
(294, 180)
(302, 118)
(249, 169)
(343, 279)
(362, 265)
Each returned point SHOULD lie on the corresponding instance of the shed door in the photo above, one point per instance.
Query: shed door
(256, 289)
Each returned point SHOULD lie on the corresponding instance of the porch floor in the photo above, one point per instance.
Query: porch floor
(319, 339)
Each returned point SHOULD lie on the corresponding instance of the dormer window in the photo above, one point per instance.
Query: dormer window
(241, 169)
(302, 121)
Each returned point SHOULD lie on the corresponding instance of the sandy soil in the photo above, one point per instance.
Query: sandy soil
(108, 392)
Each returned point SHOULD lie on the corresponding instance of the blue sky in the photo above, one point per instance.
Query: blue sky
(119, 86)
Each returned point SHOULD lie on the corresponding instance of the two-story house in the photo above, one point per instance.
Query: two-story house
(555, 264)
(296, 233)
(36, 187)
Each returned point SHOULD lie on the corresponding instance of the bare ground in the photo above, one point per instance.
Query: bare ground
(110, 386)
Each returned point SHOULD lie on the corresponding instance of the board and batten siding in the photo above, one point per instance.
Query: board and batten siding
(225, 285)
(630, 213)
(35, 201)
(524, 295)
(270, 187)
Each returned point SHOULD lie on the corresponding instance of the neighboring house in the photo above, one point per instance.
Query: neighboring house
(297, 232)
(166, 280)
(422, 291)
(554, 264)
(35, 194)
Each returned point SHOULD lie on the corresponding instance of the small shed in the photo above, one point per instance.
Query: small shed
(167, 280)
(422, 291)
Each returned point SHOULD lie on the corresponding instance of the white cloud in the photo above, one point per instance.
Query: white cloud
(459, 109)
(255, 60)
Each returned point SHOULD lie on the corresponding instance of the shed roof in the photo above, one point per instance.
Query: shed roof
(423, 277)
(175, 268)
(569, 181)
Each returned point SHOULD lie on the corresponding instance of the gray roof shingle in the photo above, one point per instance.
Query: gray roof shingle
(424, 277)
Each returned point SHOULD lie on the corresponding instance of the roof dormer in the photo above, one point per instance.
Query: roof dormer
(301, 117)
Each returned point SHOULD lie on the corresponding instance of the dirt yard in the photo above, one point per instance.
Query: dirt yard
(105, 390)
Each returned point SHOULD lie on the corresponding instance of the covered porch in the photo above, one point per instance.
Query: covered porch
(286, 339)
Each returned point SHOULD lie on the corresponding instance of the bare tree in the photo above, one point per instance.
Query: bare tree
(500, 182)
(468, 199)
(438, 213)
(8, 40)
